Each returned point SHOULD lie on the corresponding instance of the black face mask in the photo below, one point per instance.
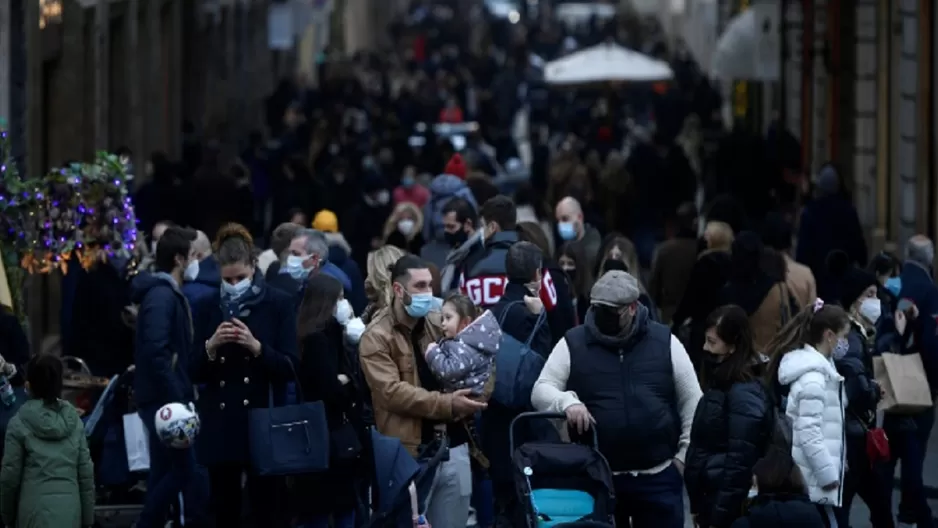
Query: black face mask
(571, 274)
(456, 239)
(712, 360)
(607, 320)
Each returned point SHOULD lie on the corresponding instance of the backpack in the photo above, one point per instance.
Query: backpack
(517, 366)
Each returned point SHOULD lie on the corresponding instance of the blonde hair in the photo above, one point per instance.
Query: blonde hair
(378, 267)
(391, 224)
(719, 236)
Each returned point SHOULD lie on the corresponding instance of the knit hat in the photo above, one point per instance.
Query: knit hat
(326, 222)
(616, 289)
(850, 279)
(828, 181)
(456, 166)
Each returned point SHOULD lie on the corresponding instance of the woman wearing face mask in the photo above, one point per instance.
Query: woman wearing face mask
(812, 395)
(326, 374)
(404, 228)
(249, 336)
(731, 425)
(886, 267)
(858, 294)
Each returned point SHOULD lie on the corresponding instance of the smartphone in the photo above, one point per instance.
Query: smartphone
(905, 305)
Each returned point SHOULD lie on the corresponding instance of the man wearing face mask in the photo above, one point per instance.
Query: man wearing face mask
(482, 274)
(571, 227)
(207, 279)
(307, 253)
(407, 401)
(631, 379)
(460, 233)
(164, 345)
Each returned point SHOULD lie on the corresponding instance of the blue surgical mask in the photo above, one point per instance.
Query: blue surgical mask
(237, 289)
(566, 230)
(841, 348)
(420, 305)
(894, 285)
(408, 181)
(294, 266)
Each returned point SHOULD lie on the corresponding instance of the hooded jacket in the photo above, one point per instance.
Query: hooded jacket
(164, 341)
(47, 479)
(443, 188)
(815, 406)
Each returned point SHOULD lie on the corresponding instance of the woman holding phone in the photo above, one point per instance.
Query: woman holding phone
(249, 332)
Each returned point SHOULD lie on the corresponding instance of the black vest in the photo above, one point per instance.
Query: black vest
(630, 393)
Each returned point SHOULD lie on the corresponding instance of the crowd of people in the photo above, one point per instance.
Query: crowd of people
(716, 330)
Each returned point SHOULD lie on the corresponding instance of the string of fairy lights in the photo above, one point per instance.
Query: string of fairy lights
(83, 209)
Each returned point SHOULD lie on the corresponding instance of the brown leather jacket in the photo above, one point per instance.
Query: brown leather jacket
(387, 360)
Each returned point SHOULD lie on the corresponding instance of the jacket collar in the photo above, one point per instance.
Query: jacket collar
(399, 317)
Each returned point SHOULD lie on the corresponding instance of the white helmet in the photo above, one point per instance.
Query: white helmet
(177, 425)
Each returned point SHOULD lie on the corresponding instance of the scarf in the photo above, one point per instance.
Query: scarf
(241, 305)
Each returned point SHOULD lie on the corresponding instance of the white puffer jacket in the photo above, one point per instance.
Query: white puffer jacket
(815, 406)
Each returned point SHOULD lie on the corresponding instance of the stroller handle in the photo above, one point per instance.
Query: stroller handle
(527, 416)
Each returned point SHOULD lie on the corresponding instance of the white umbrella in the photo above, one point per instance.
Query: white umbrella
(748, 49)
(579, 13)
(606, 62)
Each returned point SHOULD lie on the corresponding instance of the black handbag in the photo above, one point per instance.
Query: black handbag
(288, 440)
(344, 441)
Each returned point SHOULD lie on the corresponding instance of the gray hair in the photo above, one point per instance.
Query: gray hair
(202, 244)
(920, 249)
(316, 243)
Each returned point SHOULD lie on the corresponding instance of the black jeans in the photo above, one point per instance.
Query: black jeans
(265, 498)
(871, 483)
(650, 501)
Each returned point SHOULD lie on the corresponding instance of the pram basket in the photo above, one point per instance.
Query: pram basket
(561, 484)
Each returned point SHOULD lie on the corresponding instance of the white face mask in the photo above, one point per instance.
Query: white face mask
(237, 289)
(871, 309)
(343, 312)
(405, 226)
(191, 271)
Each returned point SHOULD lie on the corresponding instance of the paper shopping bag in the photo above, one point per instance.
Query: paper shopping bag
(136, 442)
(902, 378)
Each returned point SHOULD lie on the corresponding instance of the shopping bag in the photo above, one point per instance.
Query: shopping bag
(136, 442)
(902, 378)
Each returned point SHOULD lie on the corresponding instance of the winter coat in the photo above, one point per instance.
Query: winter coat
(781, 511)
(47, 479)
(466, 362)
(815, 406)
(729, 434)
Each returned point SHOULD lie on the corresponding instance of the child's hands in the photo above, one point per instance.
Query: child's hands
(430, 348)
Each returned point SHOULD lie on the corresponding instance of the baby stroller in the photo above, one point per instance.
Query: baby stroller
(400, 483)
(561, 484)
(119, 492)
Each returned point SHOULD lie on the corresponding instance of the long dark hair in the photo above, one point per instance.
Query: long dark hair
(731, 324)
(806, 328)
(319, 300)
(777, 473)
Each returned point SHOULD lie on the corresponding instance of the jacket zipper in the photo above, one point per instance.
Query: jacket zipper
(623, 372)
(843, 442)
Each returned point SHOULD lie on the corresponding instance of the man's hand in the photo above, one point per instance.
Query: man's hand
(679, 465)
(535, 304)
(579, 418)
(464, 405)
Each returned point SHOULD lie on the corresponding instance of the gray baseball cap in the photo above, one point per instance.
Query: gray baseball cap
(615, 288)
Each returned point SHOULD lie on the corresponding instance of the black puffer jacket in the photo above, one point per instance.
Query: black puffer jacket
(781, 511)
(729, 434)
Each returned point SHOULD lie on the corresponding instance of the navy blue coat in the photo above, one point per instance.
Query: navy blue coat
(236, 381)
(205, 286)
(164, 341)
